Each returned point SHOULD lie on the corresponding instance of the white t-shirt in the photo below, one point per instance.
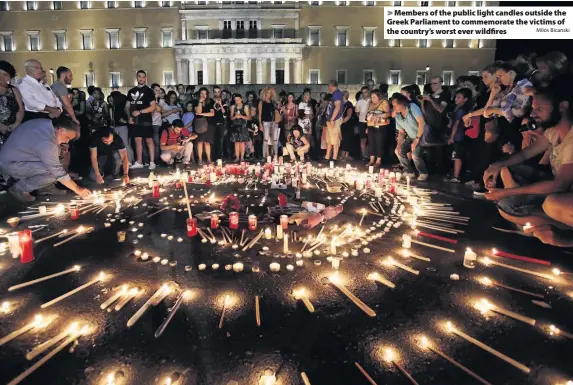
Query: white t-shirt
(306, 107)
(559, 153)
(362, 109)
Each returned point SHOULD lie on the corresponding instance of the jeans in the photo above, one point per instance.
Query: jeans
(107, 162)
(30, 175)
(417, 157)
(271, 131)
(123, 133)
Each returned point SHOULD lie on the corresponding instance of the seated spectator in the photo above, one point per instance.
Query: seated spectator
(458, 139)
(176, 143)
(410, 125)
(297, 143)
(526, 186)
(31, 157)
(107, 152)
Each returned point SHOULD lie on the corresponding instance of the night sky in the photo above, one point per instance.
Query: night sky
(509, 49)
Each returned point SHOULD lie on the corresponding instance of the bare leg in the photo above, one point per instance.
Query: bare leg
(208, 151)
(335, 151)
(200, 152)
(151, 149)
(139, 149)
(507, 179)
(363, 146)
(559, 207)
(242, 150)
(378, 162)
(457, 168)
(237, 151)
(328, 151)
(371, 163)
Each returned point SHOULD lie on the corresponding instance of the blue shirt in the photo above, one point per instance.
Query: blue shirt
(337, 95)
(461, 132)
(409, 122)
(188, 118)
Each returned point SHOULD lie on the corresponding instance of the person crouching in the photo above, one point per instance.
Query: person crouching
(176, 143)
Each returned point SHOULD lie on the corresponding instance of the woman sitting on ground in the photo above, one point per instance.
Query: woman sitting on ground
(298, 143)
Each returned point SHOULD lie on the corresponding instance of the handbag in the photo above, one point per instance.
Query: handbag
(200, 125)
(473, 131)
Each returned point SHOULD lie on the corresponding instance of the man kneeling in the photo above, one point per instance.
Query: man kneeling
(298, 143)
(108, 152)
(176, 142)
(31, 156)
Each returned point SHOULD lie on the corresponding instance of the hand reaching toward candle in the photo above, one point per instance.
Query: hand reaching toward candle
(83, 192)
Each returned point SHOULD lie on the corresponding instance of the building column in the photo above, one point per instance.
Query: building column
(273, 70)
(259, 71)
(218, 71)
(298, 71)
(247, 71)
(180, 78)
(232, 76)
(205, 71)
(259, 29)
(183, 28)
(287, 70)
(296, 27)
(192, 79)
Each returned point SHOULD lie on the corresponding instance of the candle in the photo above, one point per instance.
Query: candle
(392, 261)
(268, 233)
(331, 164)
(257, 311)
(184, 295)
(406, 254)
(99, 278)
(74, 211)
(408, 183)
(80, 230)
(484, 306)
(406, 241)
(191, 227)
(554, 331)
(333, 245)
(279, 232)
(214, 221)
(527, 226)
(488, 282)
(335, 280)
(26, 246)
(154, 300)
(72, 328)
(305, 379)
(155, 193)
(470, 259)
(302, 294)
(132, 293)
(252, 222)
(225, 304)
(451, 328)
(363, 215)
(378, 278)
(275, 267)
(285, 244)
(284, 222)
(370, 169)
(433, 246)
(234, 220)
(114, 297)
(13, 222)
(426, 344)
(47, 277)
(391, 357)
(14, 245)
(487, 261)
(365, 374)
(42, 210)
(38, 322)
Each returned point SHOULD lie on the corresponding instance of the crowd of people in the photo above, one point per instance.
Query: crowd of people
(507, 134)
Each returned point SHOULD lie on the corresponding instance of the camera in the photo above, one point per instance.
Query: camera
(530, 126)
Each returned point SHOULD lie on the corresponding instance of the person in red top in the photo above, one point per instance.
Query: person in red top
(176, 143)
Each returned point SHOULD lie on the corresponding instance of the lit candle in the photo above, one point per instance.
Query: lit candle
(470, 259)
(252, 222)
(74, 211)
(378, 278)
(486, 281)
(225, 304)
(363, 215)
(268, 233)
(14, 245)
(365, 374)
(284, 222)
(408, 183)
(214, 221)
(487, 261)
(285, 244)
(370, 169)
(234, 220)
(132, 293)
(162, 292)
(100, 277)
(191, 227)
(29, 283)
(391, 357)
(406, 241)
(335, 280)
(484, 306)
(26, 246)
(333, 245)
(38, 322)
(80, 230)
(451, 328)
(279, 232)
(331, 164)
(72, 328)
(114, 297)
(303, 296)
(391, 261)
(257, 311)
(184, 295)
(554, 331)
(426, 344)
(407, 254)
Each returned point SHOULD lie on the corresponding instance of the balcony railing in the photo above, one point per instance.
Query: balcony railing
(228, 35)
(238, 4)
(240, 41)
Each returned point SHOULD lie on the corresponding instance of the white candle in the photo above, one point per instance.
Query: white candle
(285, 244)
(487, 261)
(392, 261)
(303, 295)
(470, 259)
(14, 245)
(370, 169)
(225, 304)
(333, 245)
(408, 183)
(73, 328)
(451, 328)
(160, 293)
(484, 306)
(279, 232)
(275, 267)
(99, 278)
(268, 233)
(363, 215)
(390, 356)
(406, 241)
(42, 210)
(335, 280)
(38, 322)
(331, 164)
(378, 278)
(47, 277)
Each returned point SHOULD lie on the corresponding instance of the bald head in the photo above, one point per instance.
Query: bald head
(33, 68)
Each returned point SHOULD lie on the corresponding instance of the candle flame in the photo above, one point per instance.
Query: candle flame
(334, 278)
(59, 209)
(553, 330)
(494, 251)
(389, 355)
(405, 253)
(5, 307)
(485, 281)
(101, 276)
(483, 306)
(168, 381)
(450, 327)
(556, 271)
(424, 342)
(486, 261)
(111, 379)
(299, 293)
(373, 276)
(80, 229)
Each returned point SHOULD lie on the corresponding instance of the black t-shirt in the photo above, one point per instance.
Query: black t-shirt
(139, 98)
(437, 120)
(106, 149)
(219, 115)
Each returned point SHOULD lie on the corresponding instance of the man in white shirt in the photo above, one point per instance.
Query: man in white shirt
(39, 100)
(361, 111)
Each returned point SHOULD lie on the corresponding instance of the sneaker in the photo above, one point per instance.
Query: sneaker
(480, 192)
(473, 185)
(152, 166)
(50, 190)
(423, 178)
(21, 196)
(452, 180)
(410, 174)
(137, 165)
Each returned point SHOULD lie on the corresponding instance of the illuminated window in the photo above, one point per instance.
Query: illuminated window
(423, 43)
(60, 37)
(84, 4)
(7, 41)
(421, 77)
(114, 80)
(394, 77)
(341, 76)
(87, 42)
(475, 43)
(168, 78)
(138, 4)
(4, 6)
(89, 79)
(57, 5)
(314, 76)
(33, 40)
(167, 37)
(314, 36)
(449, 43)
(112, 4)
(30, 5)
(448, 77)
(341, 36)
(113, 38)
(369, 36)
(140, 38)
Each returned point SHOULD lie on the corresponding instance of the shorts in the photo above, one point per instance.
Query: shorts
(333, 133)
(525, 205)
(459, 151)
(141, 131)
(362, 130)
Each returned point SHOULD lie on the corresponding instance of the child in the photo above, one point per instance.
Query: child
(463, 101)
(188, 116)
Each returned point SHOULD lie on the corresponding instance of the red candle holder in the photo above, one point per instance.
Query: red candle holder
(214, 221)
(189, 178)
(26, 246)
(191, 227)
(234, 220)
(284, 222)
(252, 222)
(156, 190)
(178, 184)
(74, 212)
